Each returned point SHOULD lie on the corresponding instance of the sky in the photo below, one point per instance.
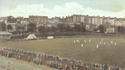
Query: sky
(52, 8)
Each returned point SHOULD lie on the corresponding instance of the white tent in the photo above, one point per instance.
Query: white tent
(31, 37)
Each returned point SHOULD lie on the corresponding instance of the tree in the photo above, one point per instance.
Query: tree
(42, 29)
(9, 27)
(61, 27)
(68, 28)
(53, 29)
(121, 29)
(31, 27)
(83, 27)
(20, 28)
(102, 28)
(2, 26)
(78, 28)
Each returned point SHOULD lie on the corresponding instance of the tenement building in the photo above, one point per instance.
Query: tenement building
(38, 19)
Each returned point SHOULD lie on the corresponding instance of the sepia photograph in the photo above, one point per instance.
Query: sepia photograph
(62, 34)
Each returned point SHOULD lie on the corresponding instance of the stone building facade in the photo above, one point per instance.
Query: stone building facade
(38, 19)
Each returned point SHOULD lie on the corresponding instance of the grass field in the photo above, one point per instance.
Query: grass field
(106, 50)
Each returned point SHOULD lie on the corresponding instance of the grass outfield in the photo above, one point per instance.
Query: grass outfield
(112, 52)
